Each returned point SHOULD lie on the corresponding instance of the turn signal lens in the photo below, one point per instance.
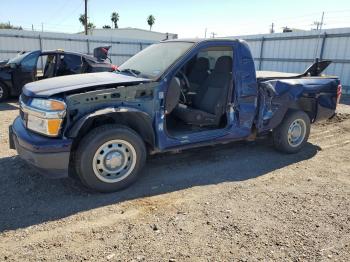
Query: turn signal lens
(57, 106)
(53, 126)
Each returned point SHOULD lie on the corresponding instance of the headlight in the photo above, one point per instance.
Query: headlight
(48, 104)
(44, 116)
(50, 127)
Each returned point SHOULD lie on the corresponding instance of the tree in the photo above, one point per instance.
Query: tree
(150, 21)
(82, 19)
(106, 27)
(89, 24)
(115, 19)
(9, 26)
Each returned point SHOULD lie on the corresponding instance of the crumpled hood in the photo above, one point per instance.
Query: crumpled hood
(56, 85)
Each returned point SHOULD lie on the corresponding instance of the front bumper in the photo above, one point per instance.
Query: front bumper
(50, 156)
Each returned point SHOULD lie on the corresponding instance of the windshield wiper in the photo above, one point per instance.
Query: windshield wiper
(133, 72)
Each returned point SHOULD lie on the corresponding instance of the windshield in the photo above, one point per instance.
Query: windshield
(155, 59)
(18, 58)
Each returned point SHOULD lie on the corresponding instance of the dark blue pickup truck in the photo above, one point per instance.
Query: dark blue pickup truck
(171, 96)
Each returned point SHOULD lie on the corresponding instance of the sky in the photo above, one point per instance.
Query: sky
(187, 18)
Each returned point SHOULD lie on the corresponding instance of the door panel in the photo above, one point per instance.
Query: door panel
(246, 87)
(26, 71)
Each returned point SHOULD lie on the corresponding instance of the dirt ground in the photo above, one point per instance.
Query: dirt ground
(242, 201)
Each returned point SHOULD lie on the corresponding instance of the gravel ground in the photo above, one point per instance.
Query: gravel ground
(242, 201)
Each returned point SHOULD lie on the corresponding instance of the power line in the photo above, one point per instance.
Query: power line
(73, 11)
(54, 15)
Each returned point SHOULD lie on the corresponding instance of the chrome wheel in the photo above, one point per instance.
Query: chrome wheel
(1, 92)
(114, 161)
(296, 132)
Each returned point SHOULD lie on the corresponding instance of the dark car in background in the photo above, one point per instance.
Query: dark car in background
(36, 65)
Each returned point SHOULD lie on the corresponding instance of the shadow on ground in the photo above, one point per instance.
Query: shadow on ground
(28, 198)
(10, 104)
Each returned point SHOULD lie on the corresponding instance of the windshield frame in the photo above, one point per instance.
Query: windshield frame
(166, 70)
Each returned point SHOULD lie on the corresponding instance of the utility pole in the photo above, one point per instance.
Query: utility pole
(319, 24)
(86, 19)
(42, 27)
(213, 34)
(319, 27)
(322, 20)
(205, 32)
(272, 29)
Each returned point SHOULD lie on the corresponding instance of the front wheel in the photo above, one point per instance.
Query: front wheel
(292, 134)
(109, 158)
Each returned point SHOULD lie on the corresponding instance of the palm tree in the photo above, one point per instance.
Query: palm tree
(115, 19)
(89, 24)
(150, 21)
(82, 19)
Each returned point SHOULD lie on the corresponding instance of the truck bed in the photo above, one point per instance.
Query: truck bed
(314, 70)
(269, 75)
(274, 74)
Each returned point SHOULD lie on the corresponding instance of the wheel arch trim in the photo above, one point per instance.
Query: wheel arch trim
(139, 121)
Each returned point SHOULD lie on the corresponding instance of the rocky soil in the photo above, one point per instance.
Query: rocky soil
(242, 201)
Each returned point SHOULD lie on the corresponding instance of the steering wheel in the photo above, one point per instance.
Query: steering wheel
(184, 82)
(184, 79)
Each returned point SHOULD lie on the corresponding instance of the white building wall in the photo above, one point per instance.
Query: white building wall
(132, 33)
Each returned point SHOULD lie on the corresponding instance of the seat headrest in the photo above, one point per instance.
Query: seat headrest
(201, 64)
(223, 64)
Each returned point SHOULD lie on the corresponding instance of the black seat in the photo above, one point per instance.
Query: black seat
(199, 73)
(209, 103)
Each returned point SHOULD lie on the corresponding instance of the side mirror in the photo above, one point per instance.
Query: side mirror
(172, 95)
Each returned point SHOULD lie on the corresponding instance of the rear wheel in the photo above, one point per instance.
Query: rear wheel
(292, 134)
(109, 158)
(4, 92)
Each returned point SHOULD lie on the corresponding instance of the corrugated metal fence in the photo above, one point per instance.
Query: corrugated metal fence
(14, 41)
(288, 52)
(294, 52)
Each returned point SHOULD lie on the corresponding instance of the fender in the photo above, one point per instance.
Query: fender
(136, 119)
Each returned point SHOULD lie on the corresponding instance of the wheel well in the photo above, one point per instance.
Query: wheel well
(138, 122)
(308, 105)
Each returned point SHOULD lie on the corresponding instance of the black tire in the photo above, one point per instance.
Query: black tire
(86, 164)
(4, 92)
(283, 141)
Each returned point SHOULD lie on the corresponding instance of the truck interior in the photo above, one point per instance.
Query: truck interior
(197, 96)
